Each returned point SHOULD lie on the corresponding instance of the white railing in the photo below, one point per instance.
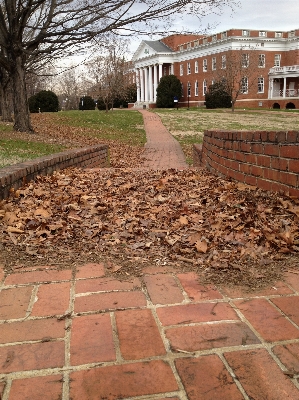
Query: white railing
(288, 93)
(284, 70)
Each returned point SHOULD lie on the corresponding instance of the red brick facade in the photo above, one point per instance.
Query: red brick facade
(198, 61)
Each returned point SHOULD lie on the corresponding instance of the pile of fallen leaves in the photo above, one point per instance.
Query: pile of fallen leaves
(190, 219)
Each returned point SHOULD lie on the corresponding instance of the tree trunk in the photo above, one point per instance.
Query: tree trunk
(233, 106)
(20, 103)
(5, 101)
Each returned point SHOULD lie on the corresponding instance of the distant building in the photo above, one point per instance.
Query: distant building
(197, 60)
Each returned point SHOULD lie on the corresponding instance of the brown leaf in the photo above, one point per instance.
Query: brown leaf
(201, 246)
(41, 212)
(12, 229)
(184, 220)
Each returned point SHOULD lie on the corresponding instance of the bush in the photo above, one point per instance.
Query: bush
(169, 88)
(87, 103)
(43, 101)
(217, 96)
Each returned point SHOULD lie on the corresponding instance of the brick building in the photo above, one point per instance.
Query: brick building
(269, 71)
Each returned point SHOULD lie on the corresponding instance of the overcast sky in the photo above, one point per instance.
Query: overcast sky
(276, 15)
(259, 14)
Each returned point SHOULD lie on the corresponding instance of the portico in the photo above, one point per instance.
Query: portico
(147, 79)
(153, 59)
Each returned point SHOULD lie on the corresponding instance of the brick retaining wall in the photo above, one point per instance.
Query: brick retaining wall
(17, 175)
(268, 160)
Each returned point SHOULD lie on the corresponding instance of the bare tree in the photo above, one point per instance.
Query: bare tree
(71, 85)
(30, 28)
(108, 72)
(5, 96)
(239, 71)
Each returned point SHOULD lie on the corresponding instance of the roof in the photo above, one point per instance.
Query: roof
(158, 46)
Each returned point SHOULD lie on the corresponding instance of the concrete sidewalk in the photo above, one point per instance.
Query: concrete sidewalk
(85, 334)
(81, 334)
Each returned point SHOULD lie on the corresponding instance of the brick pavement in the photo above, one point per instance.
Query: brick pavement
(83, 333)
(162, 151)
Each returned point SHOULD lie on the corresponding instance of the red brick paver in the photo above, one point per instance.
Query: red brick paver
(162, 151)
(121, 381)
(207, 378)
(162, 336)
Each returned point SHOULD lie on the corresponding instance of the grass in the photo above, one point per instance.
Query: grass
(123, 126)
(188, 126)
(14, 151)
(117, 125)
(126, 127)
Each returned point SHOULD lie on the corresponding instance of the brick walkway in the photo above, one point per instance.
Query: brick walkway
(83, 334)
(162, 151)
(80, 334)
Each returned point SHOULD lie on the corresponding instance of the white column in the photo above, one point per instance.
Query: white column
(171, 69)
(141, 85)
(160, 71)
(138, 84)
(284, 87)
(150, 83)
(145, 70)
(270, 95)
(155, 82)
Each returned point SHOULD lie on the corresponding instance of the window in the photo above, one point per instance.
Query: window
(189, 89)
(262, 60)
(223, 35)
(205, 65)
(291, 34)
(214, 38)
(260, 85)
(188, 68)
(245, 33)
(196, 43)
(204, 87)
(189, 45)
(196, 88)
(165, 71)
(182, 86)
(244, 85)
(181, 69)
(205, 41)
(196, 67)
(181, 48)
(223, 61)
(245, 60)
(277, 58)
(278, 34)
(213, 63)
(262, 34)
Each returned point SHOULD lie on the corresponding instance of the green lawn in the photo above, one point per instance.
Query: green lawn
(119, 125)
(124, 126)
(14, 151)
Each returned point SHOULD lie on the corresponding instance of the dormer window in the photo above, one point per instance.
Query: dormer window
(223, 35)
(262, 34)
(278, 34)
(214, 38)
(245, 33)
